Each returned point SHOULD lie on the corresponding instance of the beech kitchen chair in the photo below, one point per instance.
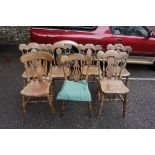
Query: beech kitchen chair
(90, 50)
(58, 50)
(124, 73)
(111, 83)
(39, 83)
(75, 87)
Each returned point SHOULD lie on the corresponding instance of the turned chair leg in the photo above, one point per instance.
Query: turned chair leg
(125, 103)
(50, 101)
(90, 108)
(127, 81)
(101, 103)
(62, 109)
(24, 104)
(24, 82)
(114, 96)
(99, 95)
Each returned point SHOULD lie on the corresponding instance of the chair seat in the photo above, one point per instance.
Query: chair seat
(57, 72)
(36, 88)
(93, 70)
(124, 73)
(113, 86)
(74, 91)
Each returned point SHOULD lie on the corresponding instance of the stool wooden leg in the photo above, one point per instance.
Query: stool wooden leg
(62, 109)
(50, 101)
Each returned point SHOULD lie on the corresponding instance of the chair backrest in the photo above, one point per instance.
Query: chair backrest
(65, 45)
(38, 63)
(49, 48)
(24, 48)
(58, 50)
(128, 49)
(113, 58)
(34, 46)
(90, 49)
(119, 47)
(81, 48)
(124, 57)
(75, 63)
(42, 47)
(98, 48)
(123, 51)
(110, 47)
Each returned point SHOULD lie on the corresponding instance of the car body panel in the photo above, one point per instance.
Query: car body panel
(140, 45)
(101, 35)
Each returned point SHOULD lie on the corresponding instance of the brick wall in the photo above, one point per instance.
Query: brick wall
(14, 34)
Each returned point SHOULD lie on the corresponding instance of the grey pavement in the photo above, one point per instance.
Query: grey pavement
(141, 108)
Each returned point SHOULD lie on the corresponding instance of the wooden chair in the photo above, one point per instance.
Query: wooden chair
(75, 87)
(31, 47)
(120, 48)
(39, 84)
(90, 50)
(111, 84)
(57, 51)
(24, 49)
(125, 73)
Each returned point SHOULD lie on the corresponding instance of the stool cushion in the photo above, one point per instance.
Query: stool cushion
(75, 91)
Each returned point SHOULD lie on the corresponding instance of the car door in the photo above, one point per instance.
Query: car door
(78, 34)
(135, 36)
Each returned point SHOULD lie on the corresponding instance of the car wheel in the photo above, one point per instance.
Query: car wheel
(74, 48)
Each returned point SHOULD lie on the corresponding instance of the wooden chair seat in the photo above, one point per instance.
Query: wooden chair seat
(113, 86)
(37, 88)
(57, 72)
(93, 70)
(125, 72)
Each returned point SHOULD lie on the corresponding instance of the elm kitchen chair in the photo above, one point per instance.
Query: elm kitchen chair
(75, 86)
(39, 83)
(111, 83)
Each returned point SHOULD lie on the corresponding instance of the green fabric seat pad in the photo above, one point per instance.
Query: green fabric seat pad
(75, 91)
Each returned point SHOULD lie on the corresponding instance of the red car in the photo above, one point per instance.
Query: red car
(140, 38)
